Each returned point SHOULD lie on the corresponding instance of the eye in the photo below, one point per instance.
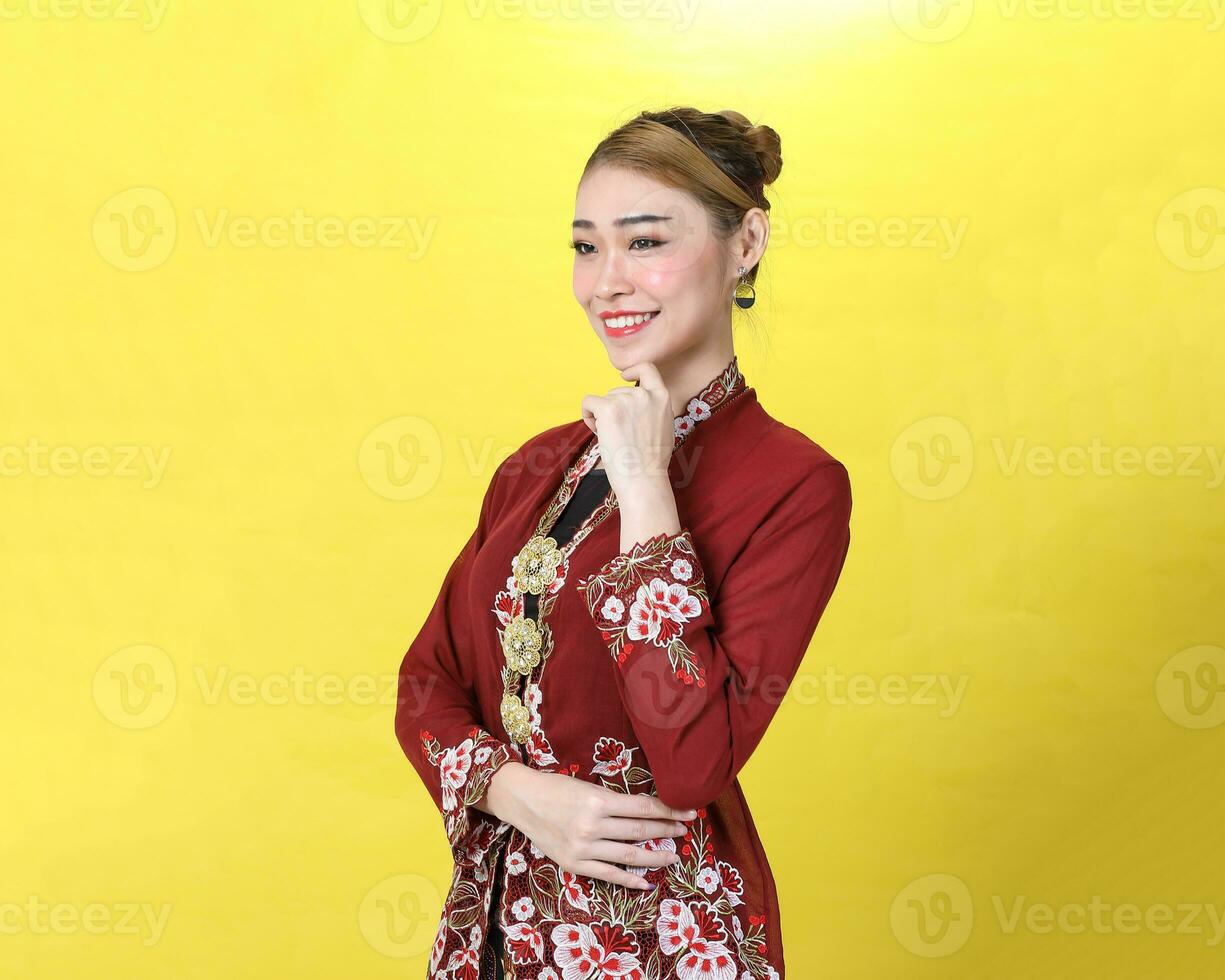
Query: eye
(579, 246)
(653, 242)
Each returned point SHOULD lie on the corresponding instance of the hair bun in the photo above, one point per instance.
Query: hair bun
(763, 141)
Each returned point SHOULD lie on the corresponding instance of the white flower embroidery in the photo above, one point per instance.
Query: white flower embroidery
(516, 864)
(612, 610)
(609, 951)
(659, 611)
(523, 909)
(453, 771)
(733, 883)
(708, 880)
(574, 893)
(610, 756)
(695, 932)
(681, 569)
(698, 410)
(522, 939)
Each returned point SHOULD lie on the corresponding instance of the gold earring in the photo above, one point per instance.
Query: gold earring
(744, 302)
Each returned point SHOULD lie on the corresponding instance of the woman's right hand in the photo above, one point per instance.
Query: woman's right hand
(585, 828)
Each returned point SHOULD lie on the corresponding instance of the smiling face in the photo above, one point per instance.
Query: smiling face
(645, 248)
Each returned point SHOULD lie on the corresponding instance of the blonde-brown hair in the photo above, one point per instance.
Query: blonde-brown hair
(720, 158)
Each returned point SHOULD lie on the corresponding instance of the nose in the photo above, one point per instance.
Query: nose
(614, 275)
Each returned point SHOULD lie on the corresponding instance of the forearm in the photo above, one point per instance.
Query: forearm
(648, 511)
(508, 789)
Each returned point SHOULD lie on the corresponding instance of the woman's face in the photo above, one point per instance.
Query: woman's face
(642, 247)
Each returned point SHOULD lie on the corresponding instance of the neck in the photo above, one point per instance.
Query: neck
(690, 372)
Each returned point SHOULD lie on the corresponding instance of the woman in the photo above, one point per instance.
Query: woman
(611, 643)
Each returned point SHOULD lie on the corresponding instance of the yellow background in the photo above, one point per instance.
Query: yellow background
(291, 442)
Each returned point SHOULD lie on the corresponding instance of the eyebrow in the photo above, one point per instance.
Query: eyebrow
(629, 219)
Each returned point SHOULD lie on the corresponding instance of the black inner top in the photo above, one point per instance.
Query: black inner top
(590, 492)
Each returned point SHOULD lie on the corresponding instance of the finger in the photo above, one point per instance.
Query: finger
(647, 374)
(645, 806)
(610, 872)
(616, 852)
(635, 828)
(591, 406)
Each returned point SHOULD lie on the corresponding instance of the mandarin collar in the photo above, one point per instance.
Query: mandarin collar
(719, 390)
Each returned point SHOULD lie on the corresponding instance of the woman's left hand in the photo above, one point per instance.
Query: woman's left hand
(636, 430)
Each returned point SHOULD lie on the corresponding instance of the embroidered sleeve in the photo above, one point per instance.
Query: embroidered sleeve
(438, 721)
(463, 772)
(700, 677)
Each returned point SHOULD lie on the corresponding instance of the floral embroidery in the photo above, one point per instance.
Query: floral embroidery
(465, 961)
(601, 950)
(694, 931)
(537, 744)
(524, 943)
(691, 926)
(661, 583)
(464, 771)
(614, 765)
